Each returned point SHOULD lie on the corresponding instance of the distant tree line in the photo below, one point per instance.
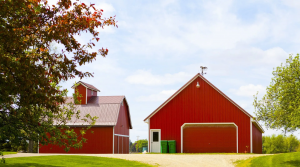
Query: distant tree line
(280, 144)
(137, 146)
(22, 146)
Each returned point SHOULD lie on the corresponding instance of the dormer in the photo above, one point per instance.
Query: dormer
(86, 91)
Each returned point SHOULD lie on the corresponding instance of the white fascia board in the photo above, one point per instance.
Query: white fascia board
(258, 126)
(80, 83)
(181, 89)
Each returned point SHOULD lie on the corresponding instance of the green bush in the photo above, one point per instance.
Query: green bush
(280, 144)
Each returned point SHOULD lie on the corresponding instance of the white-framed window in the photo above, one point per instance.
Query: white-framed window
(92, 92)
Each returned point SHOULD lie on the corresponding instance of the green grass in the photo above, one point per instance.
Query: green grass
(278, 160)
(8, 152)
(68, 160)
(204, 153)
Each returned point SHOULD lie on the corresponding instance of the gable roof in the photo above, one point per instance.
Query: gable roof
(188, 83)
(89, 86)
(106, 108)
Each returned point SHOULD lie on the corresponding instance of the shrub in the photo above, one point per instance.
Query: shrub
(280, 144)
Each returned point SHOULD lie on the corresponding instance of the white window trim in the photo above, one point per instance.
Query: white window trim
(86, 95)
(158, 137)
(215, 123)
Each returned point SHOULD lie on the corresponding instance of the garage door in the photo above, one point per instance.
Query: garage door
(209, 138)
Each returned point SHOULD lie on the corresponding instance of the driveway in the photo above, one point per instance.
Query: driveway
(174, 160)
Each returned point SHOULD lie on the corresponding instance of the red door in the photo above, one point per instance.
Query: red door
(209, 138)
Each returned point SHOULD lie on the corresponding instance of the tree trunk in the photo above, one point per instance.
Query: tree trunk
(30, 146)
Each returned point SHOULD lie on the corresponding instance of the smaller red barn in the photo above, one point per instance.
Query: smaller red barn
(111, 131)
(202, 119)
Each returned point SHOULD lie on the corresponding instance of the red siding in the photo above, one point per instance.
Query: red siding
(122, 126)
(256, 140)
(82, 91)
(99, 142)
(199, 105)
(209, 139)
(89, 94)
(121, 145)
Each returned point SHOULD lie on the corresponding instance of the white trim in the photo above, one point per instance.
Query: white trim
(181, 89)
(121, 135)
(86, 95)
(258, 126)
(158, 137)
(113, 140)
(251, 135)
(216, 123)
(79, 82)
(148, 135)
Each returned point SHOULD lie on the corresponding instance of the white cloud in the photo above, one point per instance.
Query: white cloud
(161, 96)
(292, 3)
(147, 78)
(248, 90)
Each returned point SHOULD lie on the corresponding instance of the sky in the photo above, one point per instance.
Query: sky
(159, 45)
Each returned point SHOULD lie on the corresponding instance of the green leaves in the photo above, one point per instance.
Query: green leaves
(30, 98)
(280, 106)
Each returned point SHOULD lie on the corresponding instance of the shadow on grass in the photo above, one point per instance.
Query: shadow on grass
(295, 163)
(28, 164)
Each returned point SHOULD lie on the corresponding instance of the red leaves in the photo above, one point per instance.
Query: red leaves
(97, 39)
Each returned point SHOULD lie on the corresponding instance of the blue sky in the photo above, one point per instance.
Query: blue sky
(160, 45)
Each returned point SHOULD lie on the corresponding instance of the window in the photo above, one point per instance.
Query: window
(92, 92)
(155, 136)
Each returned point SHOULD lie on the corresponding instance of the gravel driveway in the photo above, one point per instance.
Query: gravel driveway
(174, 160)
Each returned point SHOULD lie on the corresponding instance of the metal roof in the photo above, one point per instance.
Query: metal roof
(87, 86)
(106, 108)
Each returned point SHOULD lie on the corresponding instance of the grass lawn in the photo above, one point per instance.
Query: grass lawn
(68, 160)
(8, 152)
(278, 160)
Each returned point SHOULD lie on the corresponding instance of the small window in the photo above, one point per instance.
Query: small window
(92, 92)
(155, 136)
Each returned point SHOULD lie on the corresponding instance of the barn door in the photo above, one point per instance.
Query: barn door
(209, 138)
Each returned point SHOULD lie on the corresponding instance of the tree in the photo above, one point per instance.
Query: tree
(140, 144)
(279, 144)
(280, 106)
(133, 147)
(30, 99)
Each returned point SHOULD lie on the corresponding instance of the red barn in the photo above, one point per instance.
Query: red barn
(111, 131)
(202, 119)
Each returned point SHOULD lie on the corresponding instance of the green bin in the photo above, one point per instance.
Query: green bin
(172, 146)
(164, 146)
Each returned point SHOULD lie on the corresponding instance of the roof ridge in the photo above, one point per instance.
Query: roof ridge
(188, 83)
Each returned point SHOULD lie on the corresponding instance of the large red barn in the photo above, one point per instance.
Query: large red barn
(111, 131)
(202, 119)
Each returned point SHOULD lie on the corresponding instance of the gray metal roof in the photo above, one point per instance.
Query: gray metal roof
(106, 108)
